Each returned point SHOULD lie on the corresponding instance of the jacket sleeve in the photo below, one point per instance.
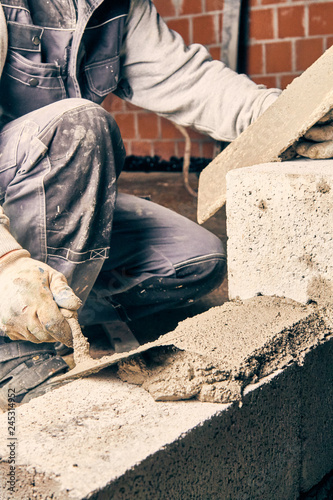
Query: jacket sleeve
(7, 241)
(160, 73)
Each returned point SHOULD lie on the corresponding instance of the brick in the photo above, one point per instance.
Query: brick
(215, 52)
(269, 2)
(204, 30)
(287, 79)
(164, 149)
(208, 149)
(255, 59)
(148, 126)
(278, 230)
(195, 135)
(291, 21)
(169, 131)
(128, 147)
(278, 57)
(261, 24)
(212, 5)
(128, 106)
(141, 148)
(329, 41)
(320, 18)
(191, 7)
(269, 81)
(307, 51)
(113, 103)
(182, 26)
(126, 124)
(195, 149)
(165, 7)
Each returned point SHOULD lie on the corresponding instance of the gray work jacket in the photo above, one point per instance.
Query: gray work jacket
(82, 59)
(157, 71)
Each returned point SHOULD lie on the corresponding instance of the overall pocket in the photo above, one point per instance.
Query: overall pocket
(27, 86)
(100, 68)
(102, 77)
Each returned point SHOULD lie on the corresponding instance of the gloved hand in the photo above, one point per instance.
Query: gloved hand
(318, 140)
(31, 293)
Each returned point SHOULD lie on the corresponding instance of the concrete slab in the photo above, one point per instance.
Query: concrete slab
(279, 221)
(300, 106)
(101, 438)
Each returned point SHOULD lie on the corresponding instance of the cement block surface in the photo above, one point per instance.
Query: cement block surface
(279, 224)
(300, 106)
(101, 438)
(82, 436)
(317, 415)
(241, 453)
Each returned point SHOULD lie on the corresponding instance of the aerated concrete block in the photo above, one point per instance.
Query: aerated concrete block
(101, 438)
(271, 137)
(317, 415)
(279, 225)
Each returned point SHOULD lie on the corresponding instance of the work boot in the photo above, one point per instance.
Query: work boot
(26, 370)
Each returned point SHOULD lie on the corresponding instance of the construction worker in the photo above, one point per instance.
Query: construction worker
(72, 243)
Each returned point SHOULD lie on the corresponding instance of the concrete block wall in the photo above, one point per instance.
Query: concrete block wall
(110, 440)
(284, 38)
(279, 226)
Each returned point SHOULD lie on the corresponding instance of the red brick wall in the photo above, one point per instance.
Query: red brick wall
(284, 38)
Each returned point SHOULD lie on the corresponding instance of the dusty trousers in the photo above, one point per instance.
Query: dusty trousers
(123, 256)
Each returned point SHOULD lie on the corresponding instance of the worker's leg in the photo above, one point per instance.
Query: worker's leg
(58, 169)
(158, 260)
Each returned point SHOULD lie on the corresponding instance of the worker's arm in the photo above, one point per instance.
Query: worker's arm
(184, 84)
(160, 73)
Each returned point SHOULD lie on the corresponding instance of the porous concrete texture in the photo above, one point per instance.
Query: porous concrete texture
(270, 138)
(279, 221)
(215, 355)
(102, 438)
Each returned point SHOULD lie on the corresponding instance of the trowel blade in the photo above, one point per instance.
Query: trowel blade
(90, 366)
(85, 364)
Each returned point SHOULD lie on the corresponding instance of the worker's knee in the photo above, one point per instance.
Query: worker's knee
(197, 277)
(191, 280)
(86, 127)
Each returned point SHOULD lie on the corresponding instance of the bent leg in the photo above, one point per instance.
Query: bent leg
(158, 260)
(58, 184)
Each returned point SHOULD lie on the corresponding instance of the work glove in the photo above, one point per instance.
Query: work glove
(318, 141)
(31, 294)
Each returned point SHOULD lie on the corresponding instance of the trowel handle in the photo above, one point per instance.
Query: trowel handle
(81, 345)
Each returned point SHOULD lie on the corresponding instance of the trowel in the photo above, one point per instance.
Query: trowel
(85, 364)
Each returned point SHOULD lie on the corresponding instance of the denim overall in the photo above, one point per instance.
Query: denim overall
(84, 54)
(61, 154)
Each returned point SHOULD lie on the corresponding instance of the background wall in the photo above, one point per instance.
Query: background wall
(281, 37)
